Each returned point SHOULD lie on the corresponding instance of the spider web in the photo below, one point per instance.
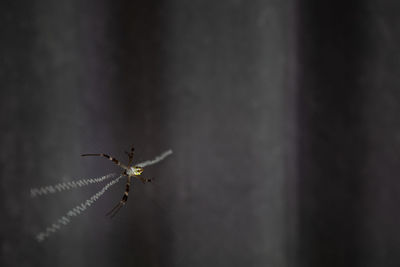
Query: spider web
(77, 210)
(66, 219)
(52, 189)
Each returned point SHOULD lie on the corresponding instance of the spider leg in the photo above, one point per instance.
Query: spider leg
(145, 180)
(130, 155)
(115, 210)
(122, 202)
(107, 156)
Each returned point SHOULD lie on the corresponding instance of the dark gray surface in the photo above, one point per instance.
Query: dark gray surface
(348, 133)
(203, 78)
(283, 117)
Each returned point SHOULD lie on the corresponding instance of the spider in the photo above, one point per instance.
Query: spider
(129, 172)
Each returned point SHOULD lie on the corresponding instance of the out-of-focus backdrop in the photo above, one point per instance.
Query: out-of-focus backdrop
(283, 117)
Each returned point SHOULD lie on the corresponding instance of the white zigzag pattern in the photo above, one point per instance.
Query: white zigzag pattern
(51, 189)
(65, 219)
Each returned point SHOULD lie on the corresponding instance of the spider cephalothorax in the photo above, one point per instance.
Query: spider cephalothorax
(129, 172)
(134, 171)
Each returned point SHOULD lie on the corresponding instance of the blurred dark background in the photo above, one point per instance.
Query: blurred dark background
(282, 115)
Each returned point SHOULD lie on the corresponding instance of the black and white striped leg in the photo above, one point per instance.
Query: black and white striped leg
(130, 155)
(124, 199)
(115, 210)
(146, 180)
(106, 156)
